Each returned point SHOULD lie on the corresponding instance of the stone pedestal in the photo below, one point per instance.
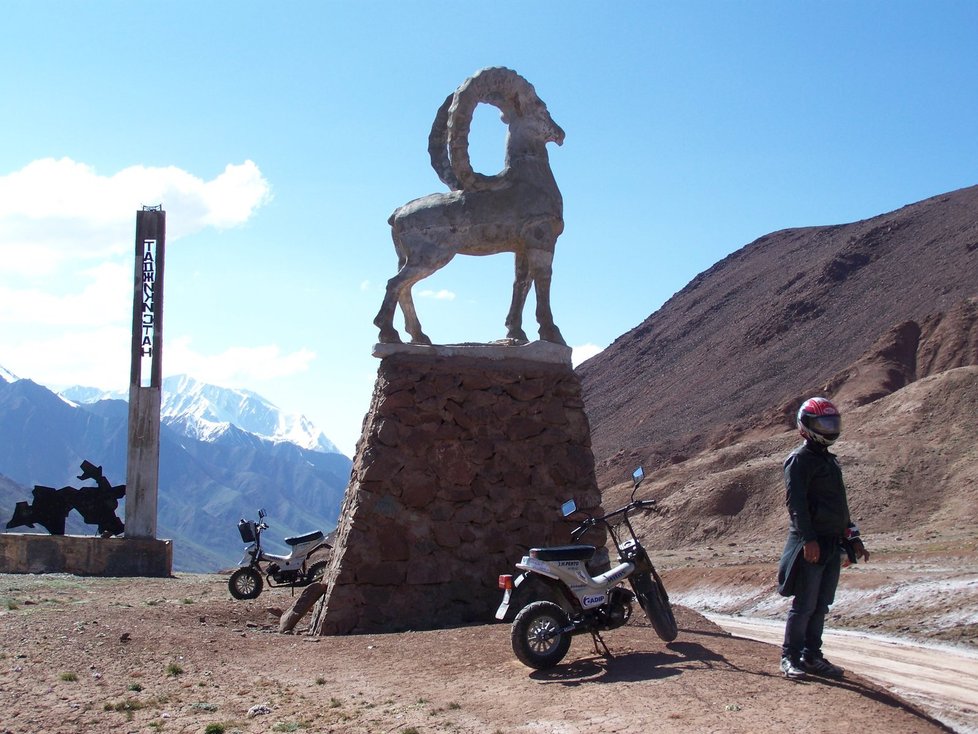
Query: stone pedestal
(463, 464)
(85, 556)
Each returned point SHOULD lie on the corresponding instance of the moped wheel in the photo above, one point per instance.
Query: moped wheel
(537, 638)
(245, 583)
(317, 571)
(652, 596)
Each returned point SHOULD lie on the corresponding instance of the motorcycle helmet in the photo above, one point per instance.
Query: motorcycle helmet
(819, 421)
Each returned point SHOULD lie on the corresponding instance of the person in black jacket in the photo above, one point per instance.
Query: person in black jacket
(820, 527)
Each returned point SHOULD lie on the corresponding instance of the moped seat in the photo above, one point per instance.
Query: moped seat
(307, 538)
(563, 553)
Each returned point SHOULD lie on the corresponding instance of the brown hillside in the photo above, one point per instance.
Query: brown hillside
(909, 461)
(856, 310)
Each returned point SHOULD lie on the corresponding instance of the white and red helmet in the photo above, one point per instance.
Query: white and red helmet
(819, 421)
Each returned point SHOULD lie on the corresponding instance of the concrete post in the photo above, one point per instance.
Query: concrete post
(142, 472)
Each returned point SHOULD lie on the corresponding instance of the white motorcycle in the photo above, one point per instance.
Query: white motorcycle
(542, 631)
(291, 570)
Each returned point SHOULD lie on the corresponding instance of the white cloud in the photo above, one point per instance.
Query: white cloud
(105, 298)
(235, 366)
(232, 197)
(101, 358)
(91, 357)
(66, 242)
(52, 211)
(584, 352)
(442, 295)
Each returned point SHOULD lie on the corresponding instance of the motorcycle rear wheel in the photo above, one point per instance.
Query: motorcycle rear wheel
(245, 583)
(652, 596)
(316, 571)
(536, 636)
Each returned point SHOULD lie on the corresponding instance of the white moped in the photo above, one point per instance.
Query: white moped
(542, 630)
(291, 570)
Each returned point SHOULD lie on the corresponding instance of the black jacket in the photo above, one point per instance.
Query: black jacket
(817, 505)
(815, 493)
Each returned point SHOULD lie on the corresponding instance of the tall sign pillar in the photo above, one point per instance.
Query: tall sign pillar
(145, 383)
(140, 552)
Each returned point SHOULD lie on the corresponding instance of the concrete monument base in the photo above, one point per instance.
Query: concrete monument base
(85, 555)
(466, 455)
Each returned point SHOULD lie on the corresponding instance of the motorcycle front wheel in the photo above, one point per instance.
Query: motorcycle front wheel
(652, 596)
(245, 583)
(537, 638)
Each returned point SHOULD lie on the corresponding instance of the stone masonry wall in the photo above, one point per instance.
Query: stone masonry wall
(463, 465)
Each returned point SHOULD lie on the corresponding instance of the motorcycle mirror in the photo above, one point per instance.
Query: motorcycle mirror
(568, 508)
(261, 514)
(637, 476)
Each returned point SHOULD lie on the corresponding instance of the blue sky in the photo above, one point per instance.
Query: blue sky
(280, 136)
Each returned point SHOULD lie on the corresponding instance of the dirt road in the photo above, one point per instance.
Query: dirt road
(940, 679)
(180, 656)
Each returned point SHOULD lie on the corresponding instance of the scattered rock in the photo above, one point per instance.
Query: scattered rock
(303, 603)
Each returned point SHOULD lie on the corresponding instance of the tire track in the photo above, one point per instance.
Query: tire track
(942, 680)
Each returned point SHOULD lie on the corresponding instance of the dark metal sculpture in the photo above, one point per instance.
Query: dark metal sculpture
(96, 505)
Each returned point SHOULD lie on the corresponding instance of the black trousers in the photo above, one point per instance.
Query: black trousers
(815, 587)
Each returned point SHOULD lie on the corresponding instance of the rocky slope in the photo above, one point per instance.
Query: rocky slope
(855, 310)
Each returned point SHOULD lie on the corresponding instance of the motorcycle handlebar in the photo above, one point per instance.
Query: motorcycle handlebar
(592, 521)
(633, 505)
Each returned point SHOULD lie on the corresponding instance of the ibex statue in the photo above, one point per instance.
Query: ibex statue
(519, 210)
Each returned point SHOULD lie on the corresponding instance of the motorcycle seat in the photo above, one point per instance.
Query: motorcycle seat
(307, 538)
(563, 553)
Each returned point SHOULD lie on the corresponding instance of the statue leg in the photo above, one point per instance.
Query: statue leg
(385, 317)
(418, 257)
(384, 320)
(399, 292)
(541, 265)
(432, 259)
(521, 287)
(411, 322)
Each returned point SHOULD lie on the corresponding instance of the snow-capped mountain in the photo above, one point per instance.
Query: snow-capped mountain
(223, 454)
(207, 412)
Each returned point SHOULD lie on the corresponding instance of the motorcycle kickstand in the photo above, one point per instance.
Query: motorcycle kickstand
(596, 638)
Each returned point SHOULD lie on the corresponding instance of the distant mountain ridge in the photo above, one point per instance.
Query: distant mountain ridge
(211, 473)
(859, 309)
(206, 411)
